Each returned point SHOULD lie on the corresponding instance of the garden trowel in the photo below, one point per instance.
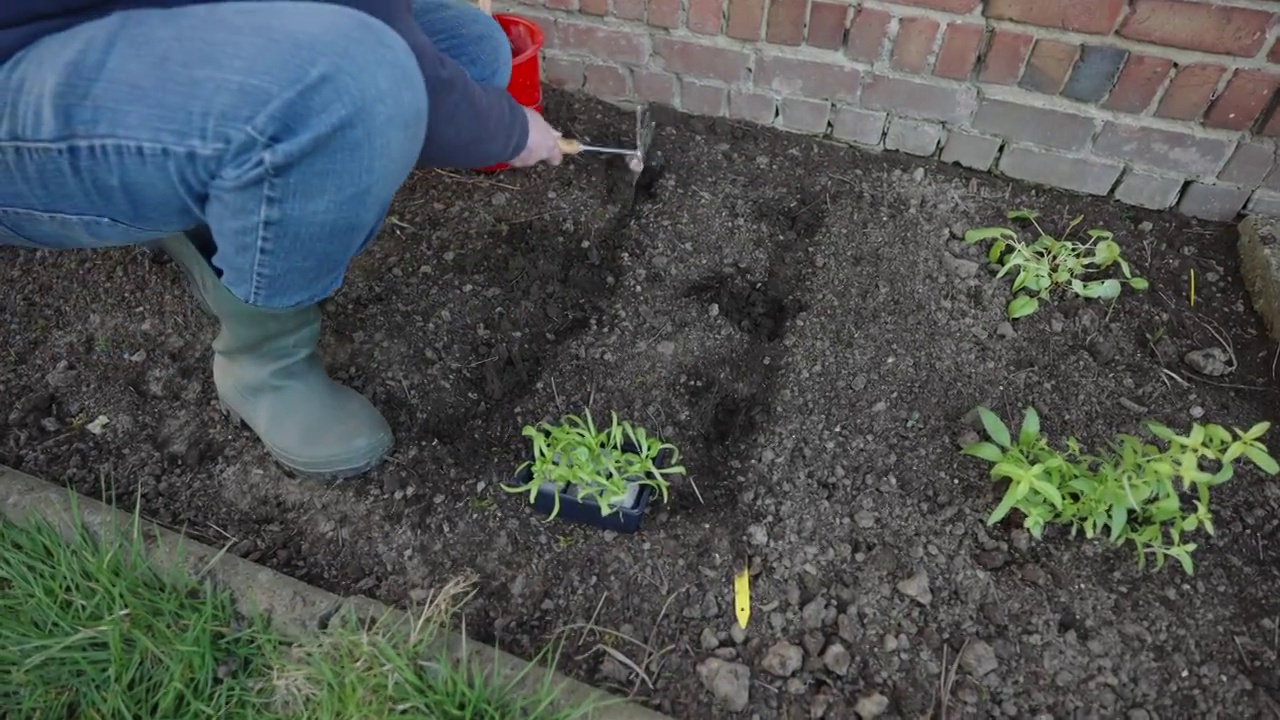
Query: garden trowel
(635, 157)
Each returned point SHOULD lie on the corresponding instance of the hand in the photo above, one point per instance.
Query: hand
(543, 144)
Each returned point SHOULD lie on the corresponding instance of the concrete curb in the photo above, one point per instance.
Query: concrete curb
(294, 607)
(1259, 249)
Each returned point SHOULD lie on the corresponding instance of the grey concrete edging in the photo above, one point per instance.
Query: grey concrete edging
(1259, 250)
(295, 608)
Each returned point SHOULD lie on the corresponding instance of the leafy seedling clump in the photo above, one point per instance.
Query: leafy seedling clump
(1132, 492)
(1048, 263)
(598, 465)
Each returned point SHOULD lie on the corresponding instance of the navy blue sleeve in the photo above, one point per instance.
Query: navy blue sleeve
(469, 125)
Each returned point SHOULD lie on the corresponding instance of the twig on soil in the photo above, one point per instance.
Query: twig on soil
(947, 681)
(1244, 658)
(1221, 336)
(591, 623)
(658, 334)
(650, 656)
(397, 222)
(620, 657)
(696, 491)
(602, 630)
(1110, 307)
(556, 393)
(663, 587)
(529, 218)
(226, 534)
(1233, 386)
(1175, 376)
(475, 181)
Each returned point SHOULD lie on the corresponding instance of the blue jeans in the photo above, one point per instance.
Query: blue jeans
(284, 127)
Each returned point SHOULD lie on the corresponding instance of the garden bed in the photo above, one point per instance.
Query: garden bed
(804, 322)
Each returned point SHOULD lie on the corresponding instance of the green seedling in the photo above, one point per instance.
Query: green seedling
(1131, 492)
(1049, 263)
(599, 464)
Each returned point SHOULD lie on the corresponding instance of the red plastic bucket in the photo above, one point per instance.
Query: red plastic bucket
(526, 64)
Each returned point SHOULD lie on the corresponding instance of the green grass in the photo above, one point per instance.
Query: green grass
(91, 630)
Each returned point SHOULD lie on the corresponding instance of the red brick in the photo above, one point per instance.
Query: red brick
(1274, 55)
(1049, 65)
(608, 81)
(1247, 94)
(705, 16)
(867, 34)
(952, 6)
(914, 43)
(630, 9)
(570, 5)
(603, 43)
(1198, 26)
(827, 22)
(745, 19)
(1189, 92)
(703, 99)
(594, 7)
(920, 99)
(563, 73)
(786, 22)
(807, 78)
(687, 57)
(1271, 128)
(805, 115)
(1139, 81)
(1088, 16)
(1006, 52)
(959, 51)
(754, 107)
(547, 24)
(655, 87)
(664, 13)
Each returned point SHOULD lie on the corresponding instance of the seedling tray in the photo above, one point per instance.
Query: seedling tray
(587, 512)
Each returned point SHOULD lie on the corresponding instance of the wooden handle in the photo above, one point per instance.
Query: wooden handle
(570, 147)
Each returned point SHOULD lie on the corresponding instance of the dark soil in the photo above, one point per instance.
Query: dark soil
(801, 320)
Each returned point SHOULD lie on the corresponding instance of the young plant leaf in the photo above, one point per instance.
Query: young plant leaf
(1030, 426)
(983, 450)
(1022, 306)
(1260, 458)
(995, 427)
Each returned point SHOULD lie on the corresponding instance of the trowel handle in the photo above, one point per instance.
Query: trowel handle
(573, 147)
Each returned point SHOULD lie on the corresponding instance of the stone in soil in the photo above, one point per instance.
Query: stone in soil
(728, 682)
(785, 312)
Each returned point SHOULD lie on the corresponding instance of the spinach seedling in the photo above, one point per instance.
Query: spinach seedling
(1131, 492)
(596, 465)
(1049, 263)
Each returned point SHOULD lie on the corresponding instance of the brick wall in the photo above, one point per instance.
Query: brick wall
(1159, 103)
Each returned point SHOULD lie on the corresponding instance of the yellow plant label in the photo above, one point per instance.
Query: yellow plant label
(742, 597)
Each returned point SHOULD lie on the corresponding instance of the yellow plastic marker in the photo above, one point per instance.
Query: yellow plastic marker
(742, 597)
(1193, 287)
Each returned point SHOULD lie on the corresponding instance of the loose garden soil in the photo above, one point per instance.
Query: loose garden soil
(802, 320)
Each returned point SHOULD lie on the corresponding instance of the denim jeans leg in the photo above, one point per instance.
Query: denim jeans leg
(463, 32)
(288, 145)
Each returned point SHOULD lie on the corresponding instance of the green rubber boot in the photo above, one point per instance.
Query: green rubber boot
(270, 377)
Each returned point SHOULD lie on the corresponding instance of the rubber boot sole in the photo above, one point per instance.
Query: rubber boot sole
(327, 475)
